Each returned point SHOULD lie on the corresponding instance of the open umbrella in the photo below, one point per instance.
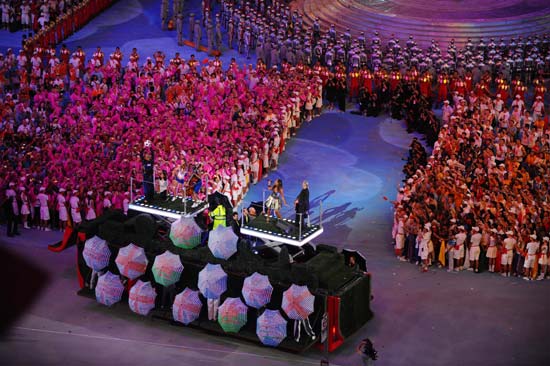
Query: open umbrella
(359, 258)
(131, 261)
(212, 281)
(232, 314)
(257, 290)
(109, 289)
(96, 253)
(142, 297)
(187, 306)
(167, 268)
(271, 328)
(216, 199)
(298, 302)
(222, 242)
(185, 233)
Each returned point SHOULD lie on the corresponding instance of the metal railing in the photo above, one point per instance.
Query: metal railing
(299, 217)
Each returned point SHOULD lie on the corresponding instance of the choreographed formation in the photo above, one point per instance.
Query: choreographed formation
(163, 167)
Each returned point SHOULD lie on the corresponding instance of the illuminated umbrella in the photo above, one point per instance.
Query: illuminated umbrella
(167, 268)
(187, 306)
(185, 233)
(131, 261)
(257, 290)
(96, 253)
(142, 297)
(212, 281)
(298, 302)
(109, 289)
(223, 242)
(271, 328)
(232, 314)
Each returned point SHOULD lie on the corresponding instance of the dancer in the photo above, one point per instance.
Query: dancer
(196, 182)
(44, 211)
(62, 209)
(276, 199)
(179, 176)
(25, 208)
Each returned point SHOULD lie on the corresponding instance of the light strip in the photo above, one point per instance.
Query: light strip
(281, 239)
(165, 213)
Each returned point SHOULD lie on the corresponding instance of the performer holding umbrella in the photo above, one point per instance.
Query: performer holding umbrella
(148, 162)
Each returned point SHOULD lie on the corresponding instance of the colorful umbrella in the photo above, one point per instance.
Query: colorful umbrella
(185, 233)
(232, 314)
(271, 328)
(257, 290)
(167, 268)
(131, 261)
(142, 297)
(212, 281)
(96, 253)
(187, 306)
(109, 289)
(223, 242)
(298, 302)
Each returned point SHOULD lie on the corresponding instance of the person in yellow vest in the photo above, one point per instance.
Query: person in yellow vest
(218, 215)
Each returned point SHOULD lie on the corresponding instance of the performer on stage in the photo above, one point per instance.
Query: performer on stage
(163, 185)
(196, 182)
(148, 162)
(276, 199)
(301, 204)
(179, 176)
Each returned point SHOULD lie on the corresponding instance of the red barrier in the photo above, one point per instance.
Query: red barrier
(64, 243)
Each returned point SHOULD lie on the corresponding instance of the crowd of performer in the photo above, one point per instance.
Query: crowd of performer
(48, 22)
(276, 33)
(482, 195)
(72, 131)
(73, 128)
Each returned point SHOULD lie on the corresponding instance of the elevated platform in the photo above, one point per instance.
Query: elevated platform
(425, 20)
(283, 231)
(169, 208)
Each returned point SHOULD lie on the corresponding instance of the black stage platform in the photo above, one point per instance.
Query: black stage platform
(341, 292)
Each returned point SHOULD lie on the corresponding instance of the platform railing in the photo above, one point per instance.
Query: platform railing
(245, 204)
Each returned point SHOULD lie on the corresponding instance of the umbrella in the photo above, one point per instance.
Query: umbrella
(187, 306)
(232, 314)
(167, 268)
(212, 281)
(216, 199)
(222, 242)
(131, 261)
(359, 258)
(109, 289)
(142, 297)
(185, 233)
(96, 253)
(257, 290)
(271, 328)
(298, 302)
